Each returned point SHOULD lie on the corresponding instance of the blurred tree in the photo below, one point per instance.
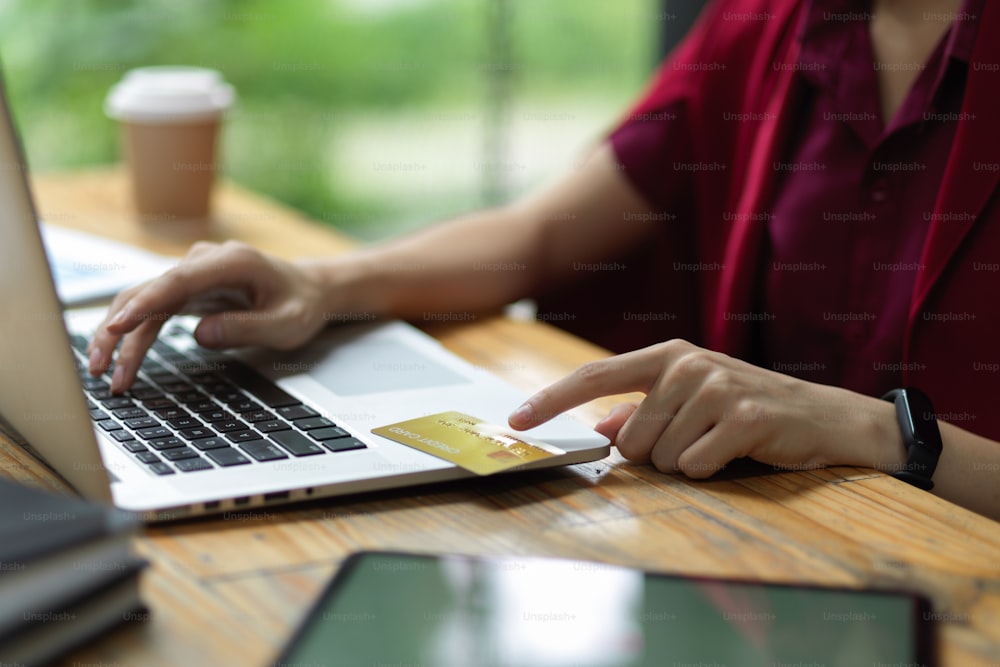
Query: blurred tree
(330, 92)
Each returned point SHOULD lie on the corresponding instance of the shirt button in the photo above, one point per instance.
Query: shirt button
(880, 190)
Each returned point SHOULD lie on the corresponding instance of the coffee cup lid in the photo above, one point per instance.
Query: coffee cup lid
(176, 94)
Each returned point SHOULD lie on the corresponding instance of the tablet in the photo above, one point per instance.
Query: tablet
(405, 610)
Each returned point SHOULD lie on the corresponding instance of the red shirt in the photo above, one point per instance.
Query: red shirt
(733, 100)
(852, 203)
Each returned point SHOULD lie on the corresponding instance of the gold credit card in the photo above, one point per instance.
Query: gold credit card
(473, 444)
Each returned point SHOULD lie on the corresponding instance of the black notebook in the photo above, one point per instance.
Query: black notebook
(66, 572)
(35, 523)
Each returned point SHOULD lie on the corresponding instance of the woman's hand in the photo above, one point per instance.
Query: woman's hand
(703, 409)
(244, 296)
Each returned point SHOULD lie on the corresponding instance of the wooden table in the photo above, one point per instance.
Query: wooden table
(229, 590)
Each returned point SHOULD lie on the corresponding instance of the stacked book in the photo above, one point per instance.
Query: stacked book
(66, 573)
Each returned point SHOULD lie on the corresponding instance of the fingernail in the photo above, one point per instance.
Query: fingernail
(522, 414)
(120, 317)
(117, 378)
(210, 332)
(95, 359)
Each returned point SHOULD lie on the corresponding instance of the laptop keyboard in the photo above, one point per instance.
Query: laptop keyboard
(191, 410)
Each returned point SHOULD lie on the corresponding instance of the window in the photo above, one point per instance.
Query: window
(370, 115)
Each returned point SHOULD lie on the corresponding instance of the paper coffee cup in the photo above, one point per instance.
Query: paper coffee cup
(170, 118)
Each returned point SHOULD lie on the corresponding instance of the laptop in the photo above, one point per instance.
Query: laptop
(204, 432)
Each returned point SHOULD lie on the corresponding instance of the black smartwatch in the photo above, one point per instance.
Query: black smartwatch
(921, 436)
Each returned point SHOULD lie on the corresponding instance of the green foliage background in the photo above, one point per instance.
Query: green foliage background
(306, 69)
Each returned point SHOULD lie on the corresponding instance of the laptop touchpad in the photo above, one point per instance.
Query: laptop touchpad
(377, 366)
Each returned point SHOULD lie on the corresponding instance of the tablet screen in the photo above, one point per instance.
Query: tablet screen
(401, 610)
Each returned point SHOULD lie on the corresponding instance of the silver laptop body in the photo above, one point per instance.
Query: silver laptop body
(358, 377)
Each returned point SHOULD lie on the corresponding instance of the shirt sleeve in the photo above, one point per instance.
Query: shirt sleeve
(647, 147)
(653, 140)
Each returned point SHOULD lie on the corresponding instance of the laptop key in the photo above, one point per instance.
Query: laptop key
(243, 405)
(152, 366)
(217, 416)
(146, 393)
(179, 454)
(121, 436)
(129, 413)
(159, 404)
(297, 412)
(313, 423)
(227, 457)
(296, 443)
(217, 388)
(262, 450)
(116, 402)
(166, 443)
(344, 444)
(331, 433)
(187, 367)
(79, 343)
(163, 347)
(270, 427)
(108, 425)
(258, 416)
(97, 414)
(147, 457)
(191, 465)
(184, 422)
(243, 436)
(176, 358)
(164, 377)
(171, 413)
(203, 377)
(141, 422)
(154, 432)
(201, 407)
(230, 395)
(176, 387)
(229, 426)
(258, 386)
(210, 443)
(197, 432)
(161, 468)
(134, 446)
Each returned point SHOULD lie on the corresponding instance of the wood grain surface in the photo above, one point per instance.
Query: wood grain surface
(229, 590)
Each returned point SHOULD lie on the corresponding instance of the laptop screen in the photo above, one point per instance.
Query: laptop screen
(40, 395)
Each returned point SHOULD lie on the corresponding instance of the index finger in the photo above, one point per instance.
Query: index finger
(624, 373)
(159, 299)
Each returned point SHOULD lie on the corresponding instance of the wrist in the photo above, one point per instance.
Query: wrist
(888, 448)
(347, 288)
(874, 439)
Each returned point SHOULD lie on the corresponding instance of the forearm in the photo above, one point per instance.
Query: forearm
(485, 260)
(967, 472)
(475, 263)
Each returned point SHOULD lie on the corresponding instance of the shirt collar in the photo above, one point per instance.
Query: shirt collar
(962, 38)
(823, 19)
(829, 35)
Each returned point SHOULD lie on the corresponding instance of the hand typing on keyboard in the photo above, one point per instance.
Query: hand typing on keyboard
(244, 297)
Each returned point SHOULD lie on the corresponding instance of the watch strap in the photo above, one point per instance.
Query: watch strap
(921, 436)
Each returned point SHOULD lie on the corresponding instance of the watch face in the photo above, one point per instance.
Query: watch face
(923, 422)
